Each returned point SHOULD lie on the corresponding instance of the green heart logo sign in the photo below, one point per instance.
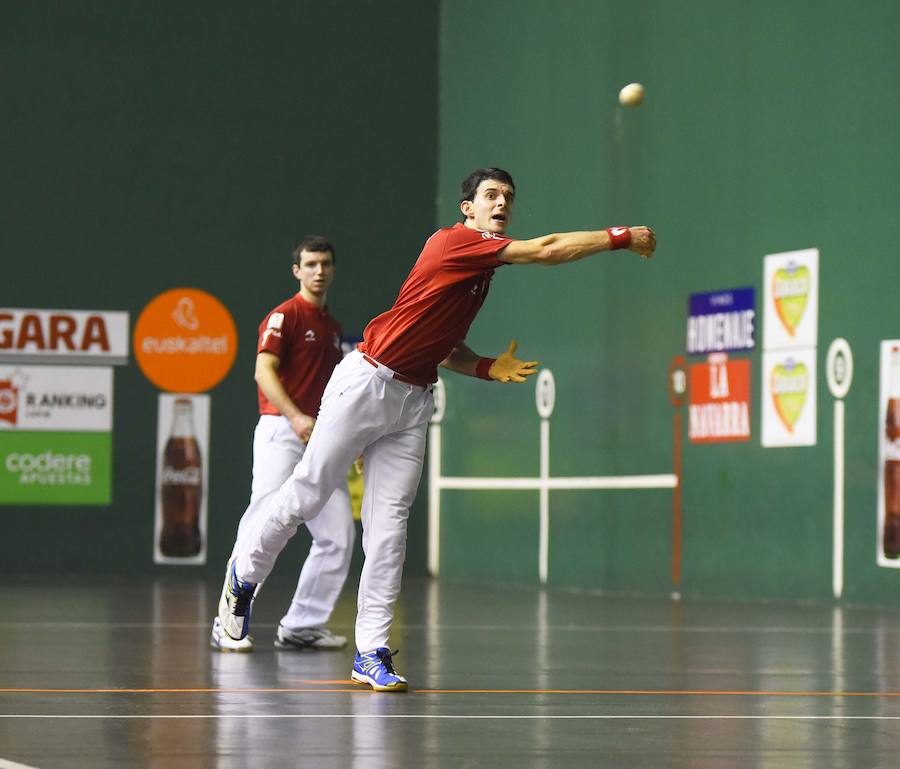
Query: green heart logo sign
(790, 385)
(790, 290)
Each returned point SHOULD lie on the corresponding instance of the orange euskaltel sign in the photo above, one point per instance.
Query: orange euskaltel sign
(185, 341)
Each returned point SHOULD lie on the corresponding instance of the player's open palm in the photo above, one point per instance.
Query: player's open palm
(508, 368)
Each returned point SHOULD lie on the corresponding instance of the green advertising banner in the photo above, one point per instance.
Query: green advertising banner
(47, 468)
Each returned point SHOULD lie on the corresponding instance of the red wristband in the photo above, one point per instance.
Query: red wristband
(619, 237)
(484, 365)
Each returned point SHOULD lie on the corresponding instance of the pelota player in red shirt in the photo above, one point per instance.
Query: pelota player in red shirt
(299, 345)
(379, 401)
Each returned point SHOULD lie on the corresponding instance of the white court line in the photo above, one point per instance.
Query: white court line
(5, 764)
(559, 483)
(469, 717)
(741, 629)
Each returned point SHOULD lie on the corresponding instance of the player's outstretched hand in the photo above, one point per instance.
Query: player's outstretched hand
(643, 241)
(508, 368)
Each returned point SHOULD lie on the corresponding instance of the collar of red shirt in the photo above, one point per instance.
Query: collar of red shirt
(309, 305)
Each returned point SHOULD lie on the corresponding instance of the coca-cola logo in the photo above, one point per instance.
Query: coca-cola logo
(9, 402)
(186, 476)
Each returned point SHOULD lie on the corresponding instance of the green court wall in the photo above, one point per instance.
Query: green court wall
(767, 127)
(150, 146)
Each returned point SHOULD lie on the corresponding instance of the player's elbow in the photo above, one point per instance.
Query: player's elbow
(450, 362)
(266, 366)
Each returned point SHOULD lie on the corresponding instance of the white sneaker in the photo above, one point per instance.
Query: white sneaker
(235, 604)
(308, 638)
(221, 641)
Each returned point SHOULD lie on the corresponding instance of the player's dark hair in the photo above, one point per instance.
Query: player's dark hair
(471, 182)
(313, 243)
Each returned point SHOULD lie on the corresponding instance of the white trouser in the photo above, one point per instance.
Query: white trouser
(364, 411)
(276, 452)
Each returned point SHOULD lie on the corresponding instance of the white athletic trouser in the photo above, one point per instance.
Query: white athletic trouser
(364, 411)
(276, 452)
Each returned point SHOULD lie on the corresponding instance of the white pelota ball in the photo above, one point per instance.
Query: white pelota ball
(631, 95)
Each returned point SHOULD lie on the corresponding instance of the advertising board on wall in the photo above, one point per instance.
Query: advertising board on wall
(789, 398)
(182, 479)
(719, 410)
(55, 434)
(63, 336)
(790, 336)
(889, 455)
(791, 291)
(721, 321)
(185, 342)
(56, 404)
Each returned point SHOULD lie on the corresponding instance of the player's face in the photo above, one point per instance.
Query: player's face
(316, 271)
(491, 209)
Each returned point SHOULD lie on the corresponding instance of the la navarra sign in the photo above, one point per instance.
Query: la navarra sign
(719, 410)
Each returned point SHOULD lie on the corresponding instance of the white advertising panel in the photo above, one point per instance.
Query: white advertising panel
(791, 300)
(58, 398)
(182, 479)
(57, 336)
(889, 455)
(789, 398)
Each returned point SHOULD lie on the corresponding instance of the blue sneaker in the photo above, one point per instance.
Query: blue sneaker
(235, 604)
(377, 669)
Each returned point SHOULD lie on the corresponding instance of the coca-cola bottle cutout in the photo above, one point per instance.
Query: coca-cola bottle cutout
(181, 486)
(891, 534)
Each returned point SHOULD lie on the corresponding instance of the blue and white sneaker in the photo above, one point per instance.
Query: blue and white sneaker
(235, 604)
(377, 670)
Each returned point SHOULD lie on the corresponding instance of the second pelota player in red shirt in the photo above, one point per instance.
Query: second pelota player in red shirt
(298, 347)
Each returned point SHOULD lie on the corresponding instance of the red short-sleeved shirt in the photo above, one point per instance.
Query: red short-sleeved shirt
(308, 342)
(437, 302)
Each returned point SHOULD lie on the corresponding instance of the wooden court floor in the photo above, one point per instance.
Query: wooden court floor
(119, 674)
